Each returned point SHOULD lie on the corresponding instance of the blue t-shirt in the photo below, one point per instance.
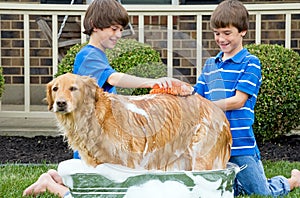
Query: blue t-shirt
(91, 61)
(220, 80)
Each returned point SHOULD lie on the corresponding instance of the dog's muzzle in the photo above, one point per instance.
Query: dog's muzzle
(61, 106)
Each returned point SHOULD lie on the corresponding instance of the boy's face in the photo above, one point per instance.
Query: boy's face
(230, 40)
(107, 38)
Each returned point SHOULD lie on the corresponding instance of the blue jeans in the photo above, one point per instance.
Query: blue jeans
(76, 155)
(252, 179)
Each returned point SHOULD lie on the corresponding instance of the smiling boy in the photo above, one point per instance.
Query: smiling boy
(232, 80)
(103, 23)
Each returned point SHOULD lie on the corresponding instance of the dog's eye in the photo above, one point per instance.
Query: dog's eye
(73, 88)
(54, 88)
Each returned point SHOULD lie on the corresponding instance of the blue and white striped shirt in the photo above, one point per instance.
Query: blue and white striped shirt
(220, 80)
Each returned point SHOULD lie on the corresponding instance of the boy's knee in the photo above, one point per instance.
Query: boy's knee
(45, 178)
(52, 172)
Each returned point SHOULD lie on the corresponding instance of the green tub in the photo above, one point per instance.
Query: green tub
(109, 180)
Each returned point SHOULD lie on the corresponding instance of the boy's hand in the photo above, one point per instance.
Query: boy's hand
(175, 87)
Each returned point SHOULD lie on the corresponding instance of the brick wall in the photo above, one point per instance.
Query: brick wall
(12, 52)
(184, 42)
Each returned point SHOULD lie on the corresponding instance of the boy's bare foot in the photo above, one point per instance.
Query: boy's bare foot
(49, 181)
(294, 181)
(40, 186)
(296, 175)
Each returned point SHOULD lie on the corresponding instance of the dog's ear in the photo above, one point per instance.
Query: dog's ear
(49, 95)
(90, 86)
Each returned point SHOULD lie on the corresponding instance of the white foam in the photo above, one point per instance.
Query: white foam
(206, 188)
(135, 109)
(113, 172)
(157, 189)
(142, 97)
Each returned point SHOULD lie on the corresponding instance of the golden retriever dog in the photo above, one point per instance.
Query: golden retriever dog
(155, 131)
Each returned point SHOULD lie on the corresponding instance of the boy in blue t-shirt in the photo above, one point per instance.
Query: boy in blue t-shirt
(104, 22)
(232, 80)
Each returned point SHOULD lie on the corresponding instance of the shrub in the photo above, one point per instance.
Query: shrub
(2, 81)
(66, 64)
(277, 109)
(129, 53)
(147, 70)
(128, 56)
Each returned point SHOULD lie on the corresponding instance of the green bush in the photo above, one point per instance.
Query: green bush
(66, 64)
(147, 70)
(1, 82)
(278, 105)
(129, 53)
(128, 56)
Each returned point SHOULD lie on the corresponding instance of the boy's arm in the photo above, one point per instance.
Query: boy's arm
(129, 81)
(234, 102)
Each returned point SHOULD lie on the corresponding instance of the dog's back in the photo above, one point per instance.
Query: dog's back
(163, 131)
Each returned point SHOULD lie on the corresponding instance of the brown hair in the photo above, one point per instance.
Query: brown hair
(230, 12)
(104, 13)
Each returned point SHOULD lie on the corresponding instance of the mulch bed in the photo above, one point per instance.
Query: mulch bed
(39, 149)
(46, 149)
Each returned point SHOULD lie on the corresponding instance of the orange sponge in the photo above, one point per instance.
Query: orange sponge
(178, 89)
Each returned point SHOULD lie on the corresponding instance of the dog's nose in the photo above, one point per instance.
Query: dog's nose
(61, 103)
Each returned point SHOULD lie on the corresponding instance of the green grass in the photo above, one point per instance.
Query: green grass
(15, 178)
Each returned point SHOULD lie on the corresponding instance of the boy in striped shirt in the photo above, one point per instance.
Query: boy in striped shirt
(232, 80)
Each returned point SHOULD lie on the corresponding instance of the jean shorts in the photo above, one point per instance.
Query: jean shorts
(252, 179)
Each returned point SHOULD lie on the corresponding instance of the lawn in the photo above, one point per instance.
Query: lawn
(15, 178)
